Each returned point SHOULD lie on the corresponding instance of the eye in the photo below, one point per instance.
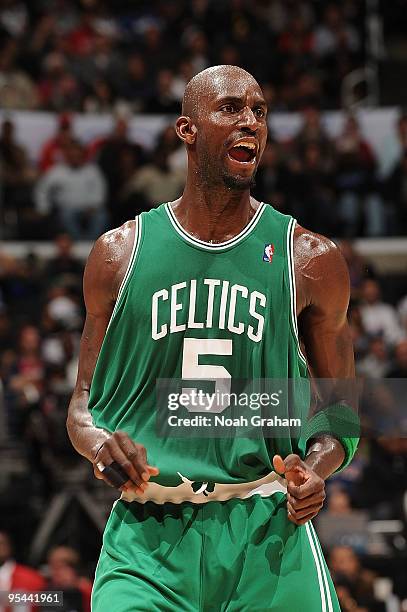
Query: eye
(228, 108)
(259, 112)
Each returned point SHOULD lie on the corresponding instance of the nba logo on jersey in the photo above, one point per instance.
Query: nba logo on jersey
(268, 253)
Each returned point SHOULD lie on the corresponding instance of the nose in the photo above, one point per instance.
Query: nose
(248, 120)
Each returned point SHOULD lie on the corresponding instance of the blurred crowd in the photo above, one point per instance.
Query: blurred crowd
(60, 573)
(92, 55)
(338, 186)
(41, 318)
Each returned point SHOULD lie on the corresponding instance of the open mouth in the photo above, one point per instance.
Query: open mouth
(243, 152)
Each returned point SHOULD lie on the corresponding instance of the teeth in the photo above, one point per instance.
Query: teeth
(246, 145)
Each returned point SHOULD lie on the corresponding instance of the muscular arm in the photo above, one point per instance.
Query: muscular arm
(323, 296)
(322, 300)
(104, 273)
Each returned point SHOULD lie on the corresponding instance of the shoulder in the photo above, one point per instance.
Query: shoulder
(320, 268)
(112, 246)
(315, 250)
(109, 258)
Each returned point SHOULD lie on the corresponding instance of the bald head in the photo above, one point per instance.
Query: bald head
(211, 82)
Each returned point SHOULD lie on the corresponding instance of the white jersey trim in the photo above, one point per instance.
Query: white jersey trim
(134, 251)
(318, 567)
(208, 245)
(321, 560)
(293, 288)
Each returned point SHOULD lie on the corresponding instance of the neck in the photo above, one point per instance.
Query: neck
(214, 214)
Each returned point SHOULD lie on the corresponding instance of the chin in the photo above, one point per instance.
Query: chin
(239, 183)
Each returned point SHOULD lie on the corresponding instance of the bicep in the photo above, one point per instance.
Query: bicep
(323, 323)
(99, 302)
(92, 337)
(103, 275)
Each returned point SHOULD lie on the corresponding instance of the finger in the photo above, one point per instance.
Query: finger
(293, 462)
(98, 474)
(312, 500)
(307, 518)
(300, 514)
(300, 521)
(111, 451)
(130, 487)
(278, 464)
(292, 467)
(111, 454)
(310, 487)
(135, 453)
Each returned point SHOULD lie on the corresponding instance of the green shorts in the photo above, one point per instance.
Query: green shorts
(237, 555)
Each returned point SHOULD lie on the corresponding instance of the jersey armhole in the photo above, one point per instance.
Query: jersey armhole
(293, 290)
(130, 266)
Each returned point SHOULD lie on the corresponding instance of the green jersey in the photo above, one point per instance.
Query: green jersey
(191, 309)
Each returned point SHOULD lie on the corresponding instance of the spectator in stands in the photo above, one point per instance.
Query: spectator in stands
(358, 268)
(100, 98)
(58, 87)
(15, 576)
(17, 177)
(339, 502)
(128, 201)
(358, 199)
(135, 83)
(156, 181)
(312, 131)
(383, 484)
(14, 18)
(296, 39)
(53, 150)
(376, 364)
(62, 306)
(272, 178)
(345, 566)
(153, 47)
(309, 188)
(360, 337)
(17, 91)
(64, 264)
(396, 194)
(402, 309)
(391, 150)
(64, 574)
(334, 35)
(197, 50)
(184, 74)
(163, 99)
(76, 192)
(377, 316)
(7, 337)
(25, 381)
(399, 369)
(109, 151)
(102, 63)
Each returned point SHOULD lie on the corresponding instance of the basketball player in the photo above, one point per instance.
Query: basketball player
(211, 284)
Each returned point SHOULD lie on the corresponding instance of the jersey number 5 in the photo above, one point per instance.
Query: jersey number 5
(191, 368)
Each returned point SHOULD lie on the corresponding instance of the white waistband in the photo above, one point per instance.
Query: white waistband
(265, 487)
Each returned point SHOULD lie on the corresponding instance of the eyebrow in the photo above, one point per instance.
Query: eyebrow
(237, 100)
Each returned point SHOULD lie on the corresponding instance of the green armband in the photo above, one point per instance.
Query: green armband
(339, 421)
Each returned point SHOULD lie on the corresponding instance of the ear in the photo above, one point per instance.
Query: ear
(186, 129)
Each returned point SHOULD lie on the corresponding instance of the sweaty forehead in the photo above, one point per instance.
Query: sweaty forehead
(216, 83)
(234, 84)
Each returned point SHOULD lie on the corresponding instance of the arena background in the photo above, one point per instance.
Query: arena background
(88, 94)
